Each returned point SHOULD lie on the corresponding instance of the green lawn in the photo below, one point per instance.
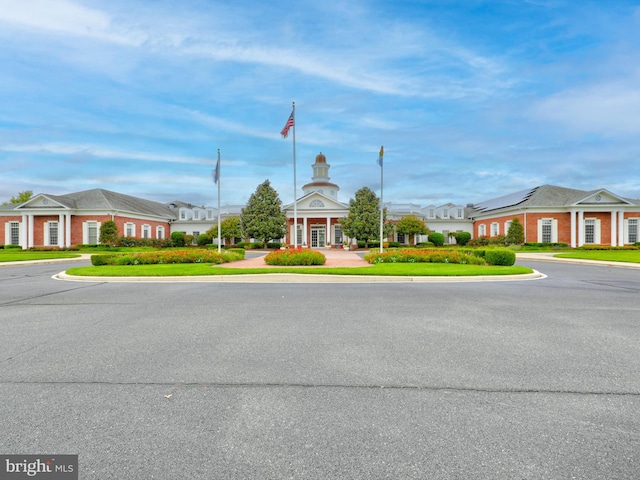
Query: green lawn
(16, 255)
(396, 269)
(632, 256)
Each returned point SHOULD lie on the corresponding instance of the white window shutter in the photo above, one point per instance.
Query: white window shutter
(626, 231)
(539, 230)
(554, 231)
(47, 238)
(7, 233)
(597, 238)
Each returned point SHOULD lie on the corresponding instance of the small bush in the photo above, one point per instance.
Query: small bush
(295, 257)
(12, 247)
(177, 239)
(362, 244)
(99, 260)
(436, 238)
(462, 238)
(500, 257)
(274, 245)
(203, 239)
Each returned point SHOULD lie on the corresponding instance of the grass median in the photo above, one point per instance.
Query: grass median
(396, 269)
(26, 255)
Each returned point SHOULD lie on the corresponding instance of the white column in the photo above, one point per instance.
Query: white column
(67, 233)
(304, 230)
(621, 228)
(573, 228)
(614, 229)
(328, 234)
(580, 228)
(24, 231)
(61, 230)
(30, 236)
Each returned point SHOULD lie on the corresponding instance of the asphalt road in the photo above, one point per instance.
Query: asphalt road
(534, 379)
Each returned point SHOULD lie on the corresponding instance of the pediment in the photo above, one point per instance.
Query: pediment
(41, 201)
(602, 197)
(317, 201)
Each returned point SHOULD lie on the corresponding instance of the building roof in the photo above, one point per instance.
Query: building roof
(100, 199)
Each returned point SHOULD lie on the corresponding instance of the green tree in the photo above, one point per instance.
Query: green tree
(178, 239)
(263, 217)
(515, 235)
(363, 220)
(230, 228)
(412, 226)
(20, 198)
(109, 233)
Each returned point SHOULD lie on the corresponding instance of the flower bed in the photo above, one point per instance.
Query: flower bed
(295, 257)
(424, 256)
(170, 256)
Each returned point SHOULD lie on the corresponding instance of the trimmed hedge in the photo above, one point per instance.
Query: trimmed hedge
(500, 257)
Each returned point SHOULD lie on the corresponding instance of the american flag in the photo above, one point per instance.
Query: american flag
(288, 125)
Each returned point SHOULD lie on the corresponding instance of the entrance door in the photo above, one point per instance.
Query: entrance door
(318, 236)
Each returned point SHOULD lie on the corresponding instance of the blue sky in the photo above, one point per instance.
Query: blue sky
(471, 99)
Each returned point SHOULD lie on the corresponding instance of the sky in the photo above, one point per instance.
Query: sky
(471, 99)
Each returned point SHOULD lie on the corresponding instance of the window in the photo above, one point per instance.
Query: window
(401, 238)
(445, 213)
(195, 237)
(129, 230)
(92, 233)
(183, 215)
(482, 230)
(432, 213)
(589, 230)
(160, 232)
(460, 213)
(316, 204)
(546, 230)
(495, 229)
(633, 230)
(196, 215)
(15, 233)
(146, 231)
(53, 233)
(209, 214)
(446, 236)
(337, 239)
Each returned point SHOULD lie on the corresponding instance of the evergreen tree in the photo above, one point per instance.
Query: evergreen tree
(363, 220)
(515, 235)
(412, 226)
(109, 233)
(263, 217)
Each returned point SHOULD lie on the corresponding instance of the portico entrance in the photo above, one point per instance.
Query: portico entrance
(318, 236)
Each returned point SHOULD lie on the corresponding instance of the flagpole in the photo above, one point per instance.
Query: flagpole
(295, 190)
(381, 161)
(219, 226)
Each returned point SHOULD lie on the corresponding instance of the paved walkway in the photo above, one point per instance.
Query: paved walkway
(334, 256)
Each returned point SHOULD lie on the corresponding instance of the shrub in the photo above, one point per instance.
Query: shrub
(177, 239)
(462, 238)
(98, 260)
(250, 245)
(203, 239)
(394, 244)
(500, 257)
(436, 238)
(295, 257)
(425, 245)
(274, 245)
(12, 247)
(362, 244)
